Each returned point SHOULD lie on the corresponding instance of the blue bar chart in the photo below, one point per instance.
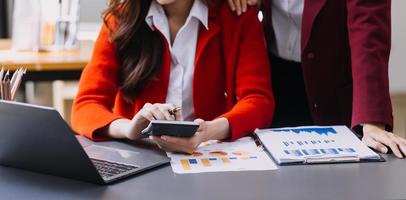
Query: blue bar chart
(304, 142)
(322, 151)
(318, 130)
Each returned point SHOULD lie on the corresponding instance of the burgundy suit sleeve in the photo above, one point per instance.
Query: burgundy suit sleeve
(369, 29)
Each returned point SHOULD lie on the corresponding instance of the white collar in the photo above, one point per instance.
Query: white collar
(199, 11)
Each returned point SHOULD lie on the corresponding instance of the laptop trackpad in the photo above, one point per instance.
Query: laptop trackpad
(112, 154)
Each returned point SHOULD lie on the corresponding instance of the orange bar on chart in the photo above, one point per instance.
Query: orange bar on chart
(206, 162)
(226, 160)
(185, 164)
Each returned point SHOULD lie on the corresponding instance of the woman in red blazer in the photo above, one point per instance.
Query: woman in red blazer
(127, 81)
(342, 74)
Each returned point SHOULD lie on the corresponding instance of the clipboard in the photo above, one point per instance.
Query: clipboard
(327, 161)
(320, 158)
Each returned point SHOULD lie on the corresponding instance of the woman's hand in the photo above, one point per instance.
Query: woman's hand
(183, 145)
(376, 137)
(217, 129)
(131, 129)
(240, 6)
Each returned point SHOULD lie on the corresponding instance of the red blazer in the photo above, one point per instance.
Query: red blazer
(231, 78)
(345, 53)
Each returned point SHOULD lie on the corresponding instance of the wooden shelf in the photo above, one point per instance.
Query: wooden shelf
(45, 61)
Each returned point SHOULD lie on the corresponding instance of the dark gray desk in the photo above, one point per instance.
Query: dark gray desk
(343, 181)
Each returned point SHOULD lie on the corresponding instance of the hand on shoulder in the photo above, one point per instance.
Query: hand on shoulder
(240, 6)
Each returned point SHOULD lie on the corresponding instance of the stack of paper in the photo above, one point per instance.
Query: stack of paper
(314, 145)
(216, 156)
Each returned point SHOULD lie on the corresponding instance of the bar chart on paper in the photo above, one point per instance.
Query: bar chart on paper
(216, 156)
(299, 146)
(300, 143)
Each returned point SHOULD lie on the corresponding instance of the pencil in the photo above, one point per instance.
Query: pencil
(7, 76)
(1, 74)
(13, 78)
(1, 90)
(7, 91)
(174, 111)
(16, 85)
(1, 83)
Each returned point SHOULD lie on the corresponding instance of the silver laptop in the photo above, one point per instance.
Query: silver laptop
(36, 138)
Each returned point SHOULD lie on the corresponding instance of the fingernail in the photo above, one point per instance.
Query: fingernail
(163, 137)
(384, 150)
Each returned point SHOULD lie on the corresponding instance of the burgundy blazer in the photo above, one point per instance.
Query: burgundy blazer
(345, 49)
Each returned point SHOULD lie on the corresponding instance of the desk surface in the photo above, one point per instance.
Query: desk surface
(45, 61)
(385, 180)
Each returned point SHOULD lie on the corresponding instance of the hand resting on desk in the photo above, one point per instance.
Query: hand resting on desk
(377, 138)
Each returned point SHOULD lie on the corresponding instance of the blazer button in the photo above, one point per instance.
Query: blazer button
(311, 55)
(225, 95)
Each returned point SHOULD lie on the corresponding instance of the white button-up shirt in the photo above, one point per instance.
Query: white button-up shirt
(183, 50)
(287, 24)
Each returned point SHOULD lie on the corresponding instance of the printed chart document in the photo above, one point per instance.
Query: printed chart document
(315, 144)
(217, 156)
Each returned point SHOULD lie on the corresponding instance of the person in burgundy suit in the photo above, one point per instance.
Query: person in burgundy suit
(330, 65)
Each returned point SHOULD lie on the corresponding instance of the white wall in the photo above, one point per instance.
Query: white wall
(90, 10)
(397, 64)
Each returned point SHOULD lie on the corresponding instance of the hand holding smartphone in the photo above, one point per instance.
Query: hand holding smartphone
(170, 128)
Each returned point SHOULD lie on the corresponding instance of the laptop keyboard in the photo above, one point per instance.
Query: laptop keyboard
(108, 169)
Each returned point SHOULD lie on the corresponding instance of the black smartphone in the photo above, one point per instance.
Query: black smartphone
(170, 128)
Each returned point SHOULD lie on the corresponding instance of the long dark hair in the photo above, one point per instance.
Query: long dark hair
(139, 49)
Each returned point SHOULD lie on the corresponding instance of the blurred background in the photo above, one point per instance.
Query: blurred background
(52, 76)
(89, 15)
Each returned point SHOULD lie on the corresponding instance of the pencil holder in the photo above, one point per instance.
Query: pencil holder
(9, 84)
